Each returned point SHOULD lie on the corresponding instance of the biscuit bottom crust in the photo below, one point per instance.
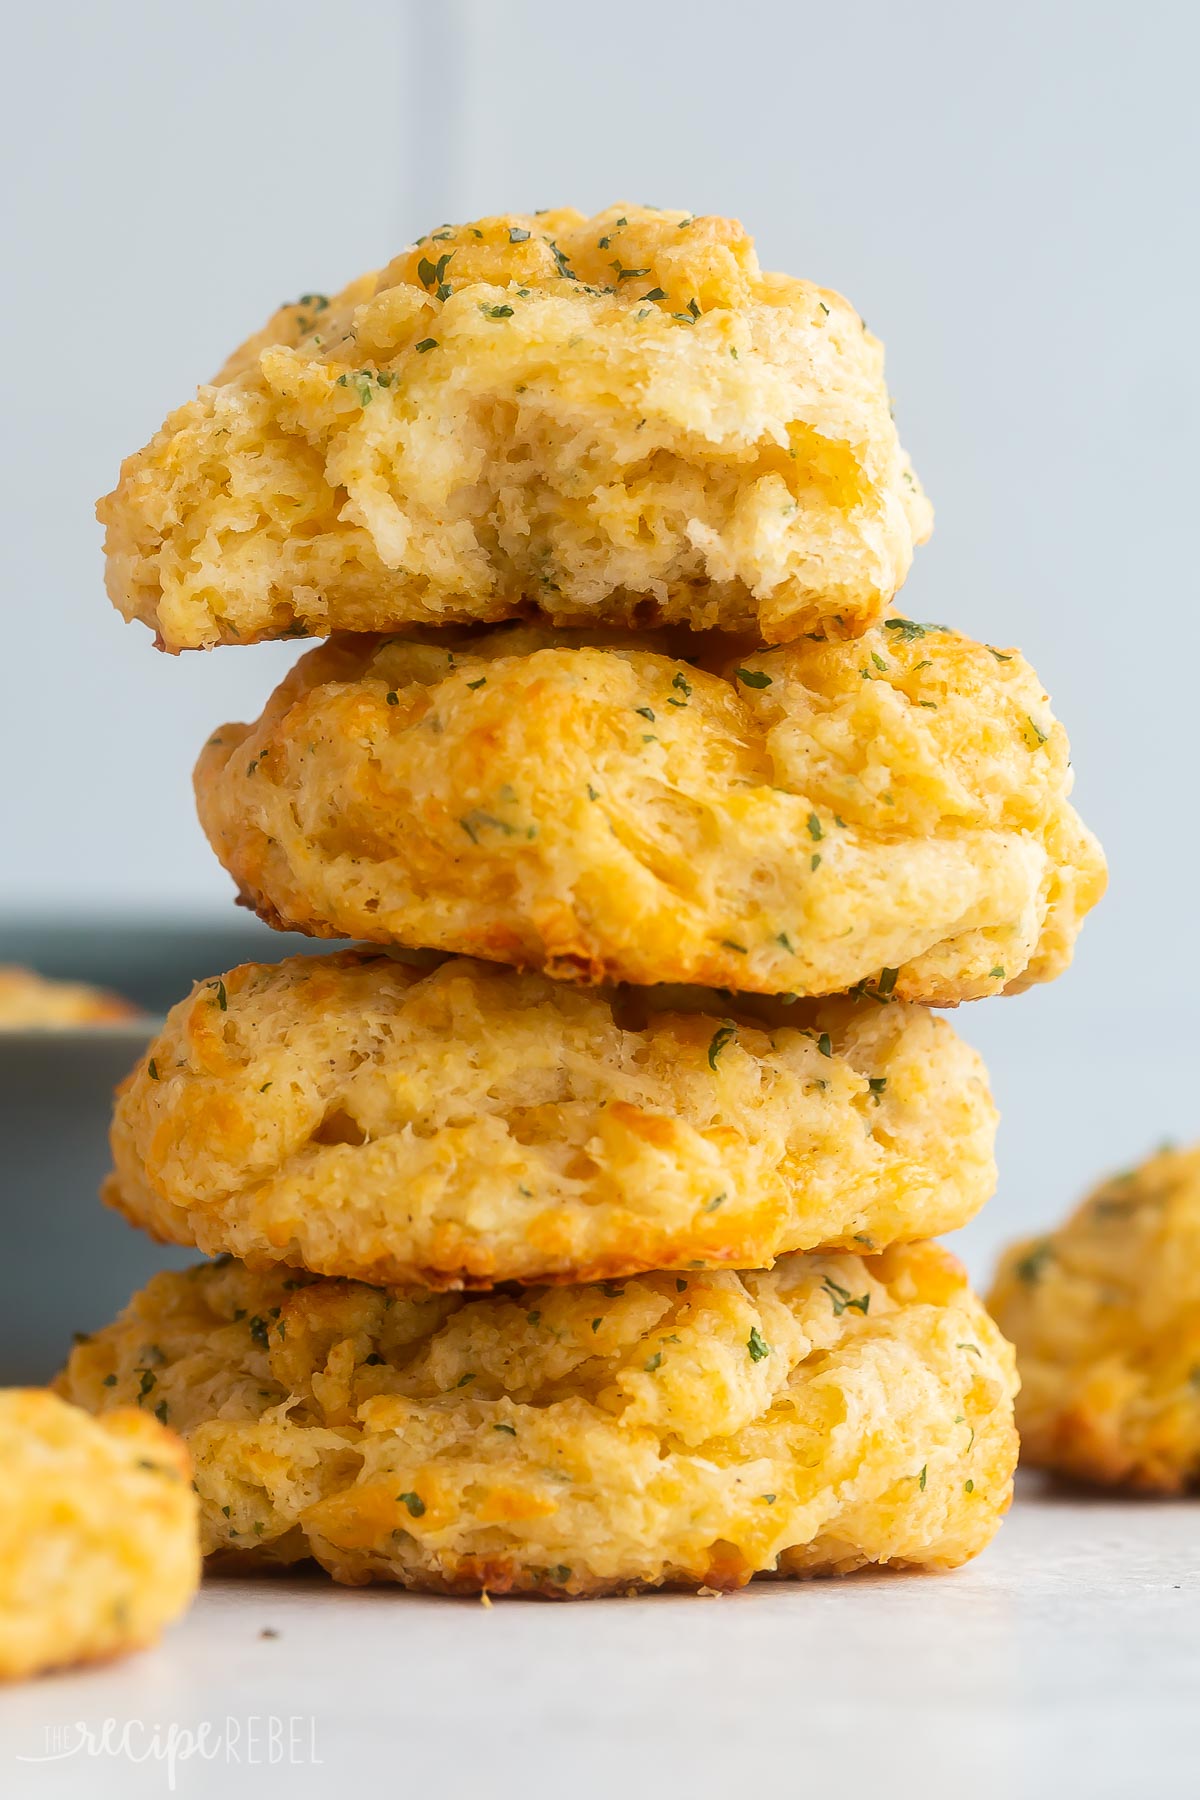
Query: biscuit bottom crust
(835, 1412)
(356, 1116)
(98, 1540)
(891, 813)
(1105, 1317)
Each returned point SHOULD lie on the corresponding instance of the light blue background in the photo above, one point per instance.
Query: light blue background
(1007, 194)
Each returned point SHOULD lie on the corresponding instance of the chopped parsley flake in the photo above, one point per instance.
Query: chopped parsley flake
(719, 1040)
(414, 1503)
(842, 1300)
(475, 821)
(431, 274)
(815, 831)
(653, 1362)
(753, 678)
(496, 312)
(757, 1345)
(908, 629)
(1030, 1266)
(425, 344)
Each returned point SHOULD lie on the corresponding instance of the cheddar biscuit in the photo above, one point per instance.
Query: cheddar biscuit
(99, 1546)
(609, 419)
(29, 1001)
(668, 1430)
(468, 1125)
(891, 811)
(1105, 1317)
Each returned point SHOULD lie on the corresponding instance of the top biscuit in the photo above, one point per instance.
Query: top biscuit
(609, 420)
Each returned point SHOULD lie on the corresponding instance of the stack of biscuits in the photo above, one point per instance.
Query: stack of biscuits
(571, 1233)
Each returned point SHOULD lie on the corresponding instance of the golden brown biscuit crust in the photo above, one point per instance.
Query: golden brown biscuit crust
(1105, 1317)
(98, 1541)
(892, 811)
(618, 418)
(468, 1125)
(669, 1430)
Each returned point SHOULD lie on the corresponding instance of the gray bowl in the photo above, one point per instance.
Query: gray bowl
(67, 1263)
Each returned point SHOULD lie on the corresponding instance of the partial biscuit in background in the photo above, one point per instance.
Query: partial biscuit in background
(608, 419)
(29, 1001)
(890, 811)
(98, 1541)
(1105, 1317)
(469, 1125)
(667, 1430)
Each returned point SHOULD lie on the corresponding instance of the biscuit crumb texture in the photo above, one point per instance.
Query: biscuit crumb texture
(669, 1430)
(466, 1125)
(1105, 1317)
(609, 419)
(891, 813)
(99, 1547)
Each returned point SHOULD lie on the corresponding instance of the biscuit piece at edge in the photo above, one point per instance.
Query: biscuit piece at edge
(99, 1546)
(891, 812)
(669, 1430)
(1105, 1317)
(618, 419)
(29, 1001)
(468, 1125)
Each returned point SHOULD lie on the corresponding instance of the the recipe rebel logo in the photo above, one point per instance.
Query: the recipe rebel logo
(255, 1740)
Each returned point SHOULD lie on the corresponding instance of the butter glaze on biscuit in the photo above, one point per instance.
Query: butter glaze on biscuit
(608, 419)
(669, 1430)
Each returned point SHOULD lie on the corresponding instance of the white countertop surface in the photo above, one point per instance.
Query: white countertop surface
(1065, 1660)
